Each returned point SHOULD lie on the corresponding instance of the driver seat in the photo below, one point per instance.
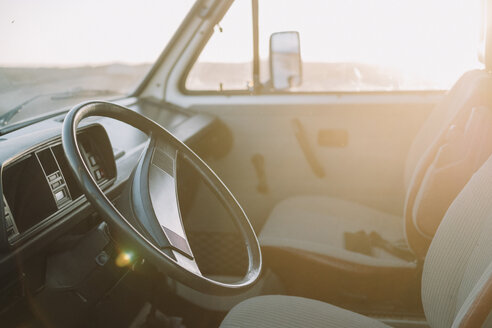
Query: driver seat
(456, 279)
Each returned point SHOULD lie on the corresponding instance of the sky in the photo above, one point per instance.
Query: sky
(71, 33)
(424, 34)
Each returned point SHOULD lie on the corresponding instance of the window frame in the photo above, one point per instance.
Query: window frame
(189, 65)
(258, 89)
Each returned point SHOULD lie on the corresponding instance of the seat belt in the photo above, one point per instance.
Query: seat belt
(361, 242)
(400, 251)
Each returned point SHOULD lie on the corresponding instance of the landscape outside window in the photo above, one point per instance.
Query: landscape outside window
(57, 53)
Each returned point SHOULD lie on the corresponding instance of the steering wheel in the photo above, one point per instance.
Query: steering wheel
(151, 220)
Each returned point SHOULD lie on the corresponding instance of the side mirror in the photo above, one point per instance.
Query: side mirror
(285, 60)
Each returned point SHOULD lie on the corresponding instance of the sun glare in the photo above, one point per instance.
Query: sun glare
(437, 38)
(419, 39)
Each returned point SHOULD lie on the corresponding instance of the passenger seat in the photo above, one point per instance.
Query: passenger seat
(451, 145)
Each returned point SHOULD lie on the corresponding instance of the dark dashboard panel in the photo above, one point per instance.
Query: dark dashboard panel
(205, 134)
(38, 184)
(27, 194)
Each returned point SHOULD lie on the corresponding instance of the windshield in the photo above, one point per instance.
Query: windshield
(58, 53)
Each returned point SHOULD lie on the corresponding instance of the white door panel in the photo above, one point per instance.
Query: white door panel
(369, 170)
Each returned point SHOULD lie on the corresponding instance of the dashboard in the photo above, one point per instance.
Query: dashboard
(38, 184)
(41, 200)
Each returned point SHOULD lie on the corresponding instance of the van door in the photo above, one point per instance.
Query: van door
(342, 122)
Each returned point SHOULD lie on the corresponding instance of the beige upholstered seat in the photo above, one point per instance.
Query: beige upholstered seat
(322, 229)
(456, 280)
(291, 312)
(317, 223)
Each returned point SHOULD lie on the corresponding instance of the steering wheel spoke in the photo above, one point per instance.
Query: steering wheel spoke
(155, 197)
(187, 263)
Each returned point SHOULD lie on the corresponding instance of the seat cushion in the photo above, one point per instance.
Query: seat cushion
(290, 311)
(317, 224)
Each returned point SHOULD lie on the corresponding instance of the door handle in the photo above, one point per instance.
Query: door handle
(259, 164)
(306, 148)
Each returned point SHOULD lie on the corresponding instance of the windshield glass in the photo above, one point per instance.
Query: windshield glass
(57, 53)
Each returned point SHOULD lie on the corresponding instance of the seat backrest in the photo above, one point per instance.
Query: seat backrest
(452, 144)
(458, 154)
(437, 122)
(458, 266)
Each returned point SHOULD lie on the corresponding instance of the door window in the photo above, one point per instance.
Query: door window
(345, 46)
